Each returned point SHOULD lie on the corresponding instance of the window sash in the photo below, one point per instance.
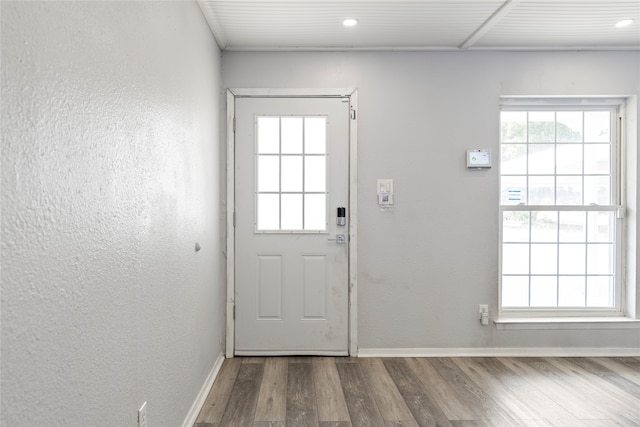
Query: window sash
(562, 272)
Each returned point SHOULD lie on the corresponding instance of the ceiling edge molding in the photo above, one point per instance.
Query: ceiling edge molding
(436, 49)
(209, 17)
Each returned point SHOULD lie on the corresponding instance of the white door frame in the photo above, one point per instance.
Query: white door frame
(350, 93)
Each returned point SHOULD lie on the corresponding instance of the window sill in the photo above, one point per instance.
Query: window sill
(518, 323)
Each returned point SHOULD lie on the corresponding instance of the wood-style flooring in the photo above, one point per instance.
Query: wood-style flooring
(460, 392)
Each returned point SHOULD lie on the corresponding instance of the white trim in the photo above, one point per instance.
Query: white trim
(630, 139)
(350, 93)
(197, 405)
(431, 49)
(563, 208)
(231, 241)
(353, 225)
(487, 25)
(586, 103)
(500, 352)
(564, 323)
(213, 25)
(273, 353)
(292, 93)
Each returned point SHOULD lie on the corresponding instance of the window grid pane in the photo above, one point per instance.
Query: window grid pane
(554, 145)
(546, 252)
(291, 173)
(563, 257)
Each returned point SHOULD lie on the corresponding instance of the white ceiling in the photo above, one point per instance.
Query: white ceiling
(424, 24)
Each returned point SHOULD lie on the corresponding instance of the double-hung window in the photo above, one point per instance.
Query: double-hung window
(560, 219)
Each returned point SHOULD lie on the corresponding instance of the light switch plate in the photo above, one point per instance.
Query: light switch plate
(385, 192)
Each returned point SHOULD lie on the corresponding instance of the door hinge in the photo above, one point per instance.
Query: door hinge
(234, 125)
(353, 114)
(234, 312)
(234, 219)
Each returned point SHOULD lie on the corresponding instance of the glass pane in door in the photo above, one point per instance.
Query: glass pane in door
(291, 174)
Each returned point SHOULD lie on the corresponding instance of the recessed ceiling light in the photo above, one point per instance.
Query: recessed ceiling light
(350, 22)
(624, 23)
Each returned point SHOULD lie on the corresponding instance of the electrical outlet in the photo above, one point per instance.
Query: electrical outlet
(142, 415)
(483, 312)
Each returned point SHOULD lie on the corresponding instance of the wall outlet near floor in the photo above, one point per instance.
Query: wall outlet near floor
(142, 415)
(483, 312)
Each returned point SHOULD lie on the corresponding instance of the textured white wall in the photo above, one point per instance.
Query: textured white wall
(110, 175)
(425, 266)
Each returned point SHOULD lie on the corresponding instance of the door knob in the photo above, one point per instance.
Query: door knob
(339, 239)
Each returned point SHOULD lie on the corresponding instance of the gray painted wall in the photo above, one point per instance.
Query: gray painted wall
(424, 267)
(112, 170)
(110, 175)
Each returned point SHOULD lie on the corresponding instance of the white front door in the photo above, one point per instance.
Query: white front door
(291, 264)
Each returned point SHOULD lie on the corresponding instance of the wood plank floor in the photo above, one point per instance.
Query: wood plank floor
(403, 392)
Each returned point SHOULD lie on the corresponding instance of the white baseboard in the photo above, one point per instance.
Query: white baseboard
(192, 415)
(499, 352)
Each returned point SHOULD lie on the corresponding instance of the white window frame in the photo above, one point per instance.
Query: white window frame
(617, 200)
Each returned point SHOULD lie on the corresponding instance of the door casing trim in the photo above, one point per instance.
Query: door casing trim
(350, 93)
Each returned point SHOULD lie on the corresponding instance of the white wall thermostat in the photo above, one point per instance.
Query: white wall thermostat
(478, 159)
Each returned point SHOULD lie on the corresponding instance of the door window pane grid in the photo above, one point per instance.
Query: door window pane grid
(291, 174)
(558, 219)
